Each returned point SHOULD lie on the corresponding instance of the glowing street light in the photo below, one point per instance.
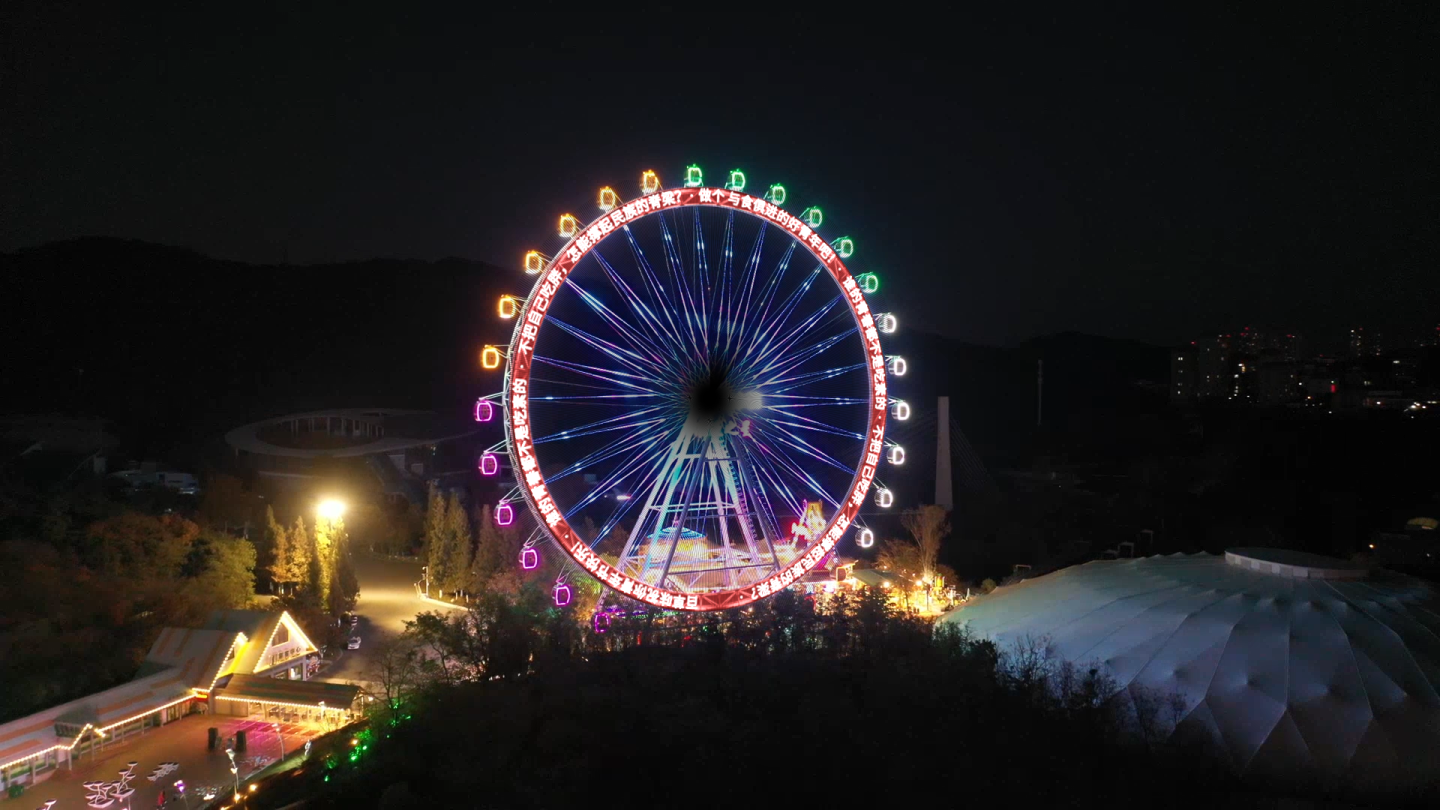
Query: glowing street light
(331, 509)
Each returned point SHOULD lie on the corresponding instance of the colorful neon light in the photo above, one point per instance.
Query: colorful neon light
(529, 558)
(489, 464)
(519, 369)
(608, 199)
(534, 262)
(813, 217)
(870, 282)
(569, 225)
(736, 181)
(490, 358)
(484, 410)
(845, 246)
(649, 182)
(694, 178)
(507, 306)
(504, 514)
(562, 594)
(776, 194)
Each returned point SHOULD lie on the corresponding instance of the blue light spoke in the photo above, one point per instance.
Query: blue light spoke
(631, 360)
(635, 336)
(802, 380)
(597, 372)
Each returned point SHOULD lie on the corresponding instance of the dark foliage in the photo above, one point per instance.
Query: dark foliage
(849, 703)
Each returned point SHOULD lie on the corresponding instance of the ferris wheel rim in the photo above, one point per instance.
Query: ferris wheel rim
(520, 359)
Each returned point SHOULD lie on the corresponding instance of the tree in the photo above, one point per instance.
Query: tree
(136, 545)
(329, 535)
(460, 556)
(435, 553)
(224, 570)
(488, 550)
(929, 525)
(278, 541)
(301, 552)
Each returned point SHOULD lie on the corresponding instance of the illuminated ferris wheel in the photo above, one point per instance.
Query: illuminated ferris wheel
(692, 370)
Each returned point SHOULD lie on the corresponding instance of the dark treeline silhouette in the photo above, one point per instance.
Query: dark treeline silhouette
(848, 702)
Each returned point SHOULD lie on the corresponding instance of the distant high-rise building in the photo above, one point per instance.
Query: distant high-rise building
(1212, 364)
(1365, 344)
(1184, 374)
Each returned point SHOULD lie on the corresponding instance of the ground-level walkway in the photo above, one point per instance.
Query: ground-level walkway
(183, 742)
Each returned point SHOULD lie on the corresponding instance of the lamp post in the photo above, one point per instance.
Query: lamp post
(281, 737)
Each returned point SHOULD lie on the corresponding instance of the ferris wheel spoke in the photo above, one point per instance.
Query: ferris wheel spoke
(757, 315)
(632, 334)
(607, 374)
(603, 399)
(802, 380)
(664, 332)
(632, 464)
(624, 421)
(772, 329)
(806, 423)
(702, 275)
(782, 363)
(751, 272)
(682, 286)
(812, 401)
(760, 463)
(798, 472)
(725, 320)
(631, 360)
(790, 438)
(654, 288)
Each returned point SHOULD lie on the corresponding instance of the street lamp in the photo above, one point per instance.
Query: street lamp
(331, 509)
(281, 738)
(234, 771)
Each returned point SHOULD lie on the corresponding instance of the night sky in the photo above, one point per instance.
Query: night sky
(1152, 178)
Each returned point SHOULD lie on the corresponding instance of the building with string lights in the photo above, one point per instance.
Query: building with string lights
(239, 663)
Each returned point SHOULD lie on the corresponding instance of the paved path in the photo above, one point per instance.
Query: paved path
(387, 601)
(183, 742)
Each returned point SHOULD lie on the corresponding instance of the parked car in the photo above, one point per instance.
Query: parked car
(353, 644)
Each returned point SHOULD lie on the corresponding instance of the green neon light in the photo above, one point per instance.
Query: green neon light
(869, 282)
(736, 181)
(813, 217)
(845, 246)
(776, 194)
(694, 178)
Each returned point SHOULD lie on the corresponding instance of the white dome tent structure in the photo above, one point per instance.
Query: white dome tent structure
(1293, 665)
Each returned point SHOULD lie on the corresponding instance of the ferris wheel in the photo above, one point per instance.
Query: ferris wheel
(692, 369)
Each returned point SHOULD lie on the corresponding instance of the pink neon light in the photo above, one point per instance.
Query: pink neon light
(522, 347)
(504, 515)
(484, 410)
(562, 594)
(529, 559)
(489, 465)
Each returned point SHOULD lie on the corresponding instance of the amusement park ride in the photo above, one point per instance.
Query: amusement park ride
(693, 364)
